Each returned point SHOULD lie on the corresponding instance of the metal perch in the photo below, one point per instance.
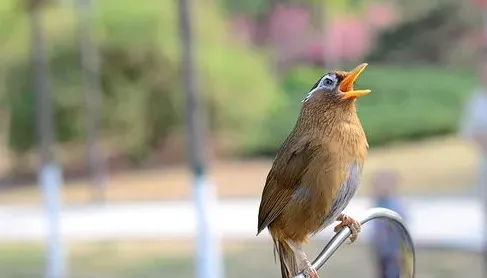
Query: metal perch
(407, 247)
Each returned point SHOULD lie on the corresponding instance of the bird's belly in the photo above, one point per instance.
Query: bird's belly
(343, 196)
(342, 200)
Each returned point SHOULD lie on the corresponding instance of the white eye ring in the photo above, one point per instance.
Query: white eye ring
(328, 81)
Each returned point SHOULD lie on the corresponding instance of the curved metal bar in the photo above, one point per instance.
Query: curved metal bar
(408, 253)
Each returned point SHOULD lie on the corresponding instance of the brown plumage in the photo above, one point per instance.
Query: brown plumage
(316, 172)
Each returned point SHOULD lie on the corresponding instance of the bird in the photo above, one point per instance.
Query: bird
(316, 171)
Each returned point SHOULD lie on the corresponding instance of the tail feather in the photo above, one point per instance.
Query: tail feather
(287, 258)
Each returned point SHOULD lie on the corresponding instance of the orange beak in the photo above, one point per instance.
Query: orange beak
(346, 86)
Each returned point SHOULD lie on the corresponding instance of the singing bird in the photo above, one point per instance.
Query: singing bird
(316, 172)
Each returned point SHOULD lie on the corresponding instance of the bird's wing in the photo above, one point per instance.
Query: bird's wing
(283, 179)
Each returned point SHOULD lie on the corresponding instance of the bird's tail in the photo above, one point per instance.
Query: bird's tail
(287, 257)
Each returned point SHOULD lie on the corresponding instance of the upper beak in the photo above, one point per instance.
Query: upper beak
(346, 86)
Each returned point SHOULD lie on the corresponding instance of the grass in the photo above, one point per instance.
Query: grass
(242, 259)
(432, 167)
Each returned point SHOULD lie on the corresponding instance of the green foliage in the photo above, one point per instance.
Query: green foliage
(406, 103)
(252, 7)
(140, 74)
(22, 107)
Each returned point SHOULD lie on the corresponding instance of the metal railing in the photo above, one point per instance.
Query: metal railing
(408, 253)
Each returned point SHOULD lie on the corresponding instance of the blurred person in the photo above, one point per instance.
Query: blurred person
(474, 126)
(385, 242)
(474, 129)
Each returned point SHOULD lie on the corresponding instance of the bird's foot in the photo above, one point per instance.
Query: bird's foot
(307, 270)
(352, 224)
(310, 272)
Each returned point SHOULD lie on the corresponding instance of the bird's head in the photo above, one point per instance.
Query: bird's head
(337, 86)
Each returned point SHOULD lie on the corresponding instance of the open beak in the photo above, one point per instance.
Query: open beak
(346, 86)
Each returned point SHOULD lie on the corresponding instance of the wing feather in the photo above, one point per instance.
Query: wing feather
(283, 179)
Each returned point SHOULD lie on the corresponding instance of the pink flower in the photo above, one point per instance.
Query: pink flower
(346, 38)
(243, 28)
(381, 15)
(289, 30)
(480, 3)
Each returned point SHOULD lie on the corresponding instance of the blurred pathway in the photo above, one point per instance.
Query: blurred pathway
(440, 222)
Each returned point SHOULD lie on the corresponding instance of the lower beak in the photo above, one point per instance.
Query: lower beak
(346, 86)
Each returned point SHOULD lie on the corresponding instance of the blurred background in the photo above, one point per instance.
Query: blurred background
(95, 176)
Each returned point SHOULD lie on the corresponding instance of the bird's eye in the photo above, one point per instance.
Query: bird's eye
(328, 81)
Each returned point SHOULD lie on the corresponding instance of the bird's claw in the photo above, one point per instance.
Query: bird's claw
(310, 272)
(349, 222)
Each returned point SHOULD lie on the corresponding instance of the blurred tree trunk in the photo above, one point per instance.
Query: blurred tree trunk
(91, 79)
(39, 64)
(484, 198)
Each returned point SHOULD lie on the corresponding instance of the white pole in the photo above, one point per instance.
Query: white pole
(208, 243)
(49, 175)
(208, 249)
